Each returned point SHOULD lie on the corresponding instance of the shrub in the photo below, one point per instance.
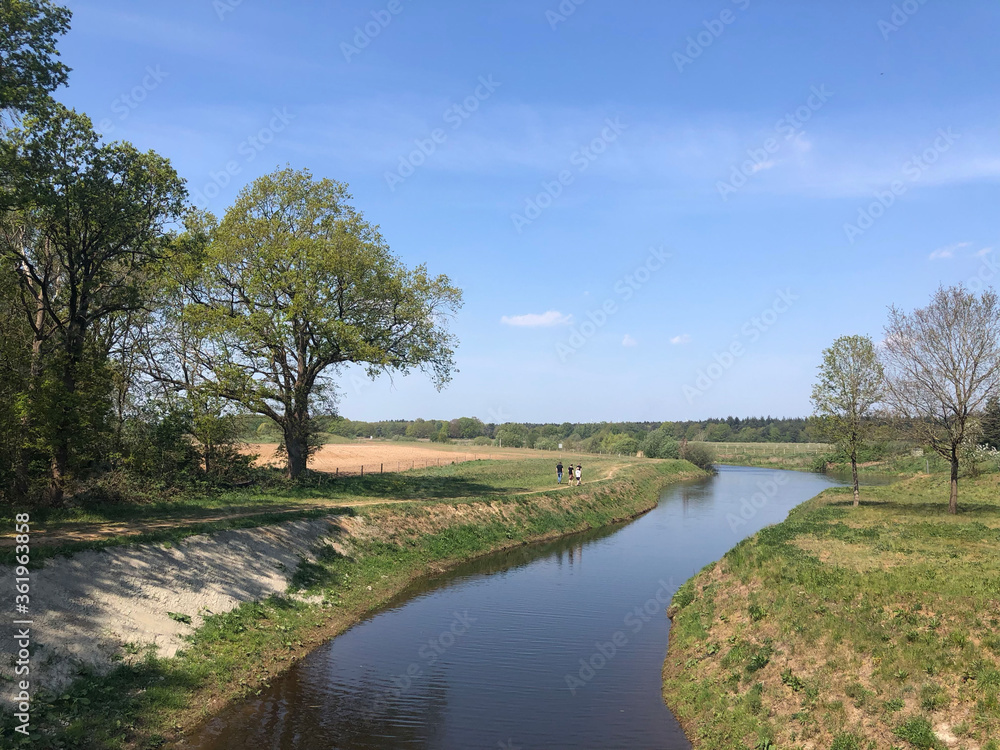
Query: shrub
(482, 440)
(658, 444)
(700, 455)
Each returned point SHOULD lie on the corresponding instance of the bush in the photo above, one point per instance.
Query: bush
(658, 444)
(482, 440)
(701, 456)
(619, 443)
(546, 444)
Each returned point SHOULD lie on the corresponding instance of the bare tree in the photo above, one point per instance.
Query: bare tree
(851, 383)
(943, 365)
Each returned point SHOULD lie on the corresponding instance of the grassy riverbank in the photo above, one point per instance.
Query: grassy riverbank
(848, 628)
(426, 522)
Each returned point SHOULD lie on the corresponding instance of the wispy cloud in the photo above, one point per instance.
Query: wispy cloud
(984, 252)
(682, 339)
(629, 341)
(535, 320)
(948, 251)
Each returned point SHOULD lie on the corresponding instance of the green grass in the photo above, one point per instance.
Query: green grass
(278, 500)
(879, 623)
(143, 703)
(794, 456)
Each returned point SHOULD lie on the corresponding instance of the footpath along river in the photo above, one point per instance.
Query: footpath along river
(556, 645)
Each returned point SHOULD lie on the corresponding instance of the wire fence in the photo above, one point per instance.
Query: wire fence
(395, 466)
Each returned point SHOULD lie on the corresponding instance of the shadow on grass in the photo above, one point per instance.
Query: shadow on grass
(274, 493)
(42, 552)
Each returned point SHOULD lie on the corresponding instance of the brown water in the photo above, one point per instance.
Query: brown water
(557, 645)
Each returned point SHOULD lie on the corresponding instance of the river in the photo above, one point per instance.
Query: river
(556, 645)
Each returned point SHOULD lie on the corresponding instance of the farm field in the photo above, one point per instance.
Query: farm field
(386, 456)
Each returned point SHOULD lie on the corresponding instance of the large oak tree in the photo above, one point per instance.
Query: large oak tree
(295, 283)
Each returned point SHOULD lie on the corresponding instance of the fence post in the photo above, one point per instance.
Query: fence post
(336, 472)
(362, 469)
(381, 468)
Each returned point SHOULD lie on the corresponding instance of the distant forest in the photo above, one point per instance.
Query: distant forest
(591, 436)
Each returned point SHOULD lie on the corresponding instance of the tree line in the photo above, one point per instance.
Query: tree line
(137, 326)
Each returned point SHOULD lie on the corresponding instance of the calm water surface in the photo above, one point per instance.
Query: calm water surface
(557, 645)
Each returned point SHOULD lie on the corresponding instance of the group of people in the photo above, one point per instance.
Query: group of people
(576, 473)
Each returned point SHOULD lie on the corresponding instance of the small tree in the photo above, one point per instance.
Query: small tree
(851, 383)
(943, 364)
(294, 284)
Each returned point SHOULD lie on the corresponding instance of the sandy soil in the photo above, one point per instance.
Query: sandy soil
(85, 607)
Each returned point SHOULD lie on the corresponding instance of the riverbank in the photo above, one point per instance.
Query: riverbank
(364, 557)
(848, 628)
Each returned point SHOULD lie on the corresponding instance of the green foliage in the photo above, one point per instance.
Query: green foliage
(317, 288)
(29, 70)
(512, 436)
(990, 424)
(619, 444)
(700, 455)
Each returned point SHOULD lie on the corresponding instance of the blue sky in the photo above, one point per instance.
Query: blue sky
(656, 210)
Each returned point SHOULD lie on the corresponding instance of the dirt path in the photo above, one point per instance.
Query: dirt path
(94, 532)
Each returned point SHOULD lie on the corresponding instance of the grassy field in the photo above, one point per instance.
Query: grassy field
(433, 519)
(796, 456)
(93, 525)
(848, 628)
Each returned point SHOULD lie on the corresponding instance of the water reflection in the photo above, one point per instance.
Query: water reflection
(528, 647)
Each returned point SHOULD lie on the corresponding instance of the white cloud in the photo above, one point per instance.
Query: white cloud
(984, 252)
(534, 320)
(947, 251)
(682, 339)
(629, 341)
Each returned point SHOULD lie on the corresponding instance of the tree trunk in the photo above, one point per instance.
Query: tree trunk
(854, 474)
(296, 447)
(953, 502)
(22, 478)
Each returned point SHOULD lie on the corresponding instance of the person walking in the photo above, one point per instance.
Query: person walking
(559, 470)
(579, 474)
